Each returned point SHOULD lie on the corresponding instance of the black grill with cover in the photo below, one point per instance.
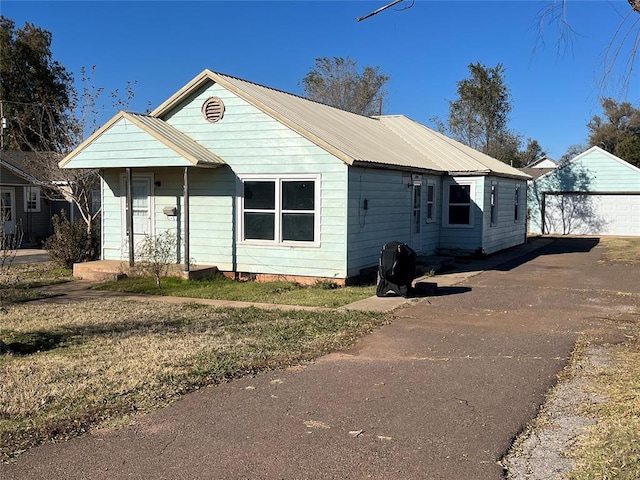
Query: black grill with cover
(396, 269)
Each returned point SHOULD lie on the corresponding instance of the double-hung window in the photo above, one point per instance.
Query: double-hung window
(459, 207)
(280, 209)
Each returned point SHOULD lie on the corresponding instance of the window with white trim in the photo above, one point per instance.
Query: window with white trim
(516, 204)
(31, 198)
(493, 202)
(280, 209)
(458, 207)
(431, 202)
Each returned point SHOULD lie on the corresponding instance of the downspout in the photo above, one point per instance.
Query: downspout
(130, 215)
(186, 219)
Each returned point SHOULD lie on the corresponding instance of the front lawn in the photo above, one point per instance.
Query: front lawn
(323, 294)
(87, 363)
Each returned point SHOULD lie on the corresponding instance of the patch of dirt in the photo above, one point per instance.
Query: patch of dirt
(541, 451)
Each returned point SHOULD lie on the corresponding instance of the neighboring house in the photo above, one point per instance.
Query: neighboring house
(23, 202)
(595, 193)
(260, 181)
(543, 162)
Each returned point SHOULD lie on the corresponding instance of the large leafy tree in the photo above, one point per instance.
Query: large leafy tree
(480, 114)
(479, 117)
(36, 91)
(339, 82)
(618, 130)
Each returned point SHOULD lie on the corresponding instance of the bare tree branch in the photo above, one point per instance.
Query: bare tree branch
(381, 9)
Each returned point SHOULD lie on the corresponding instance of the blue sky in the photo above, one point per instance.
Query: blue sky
(425, 49)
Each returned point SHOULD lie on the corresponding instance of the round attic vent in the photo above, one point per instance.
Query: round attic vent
(212, 109)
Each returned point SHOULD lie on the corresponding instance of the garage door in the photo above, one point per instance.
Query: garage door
(592, 214)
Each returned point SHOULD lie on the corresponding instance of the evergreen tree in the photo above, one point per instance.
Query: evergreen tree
(36, 92)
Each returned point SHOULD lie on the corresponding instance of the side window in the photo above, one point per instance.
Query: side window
(516, 204)
(31, 198)
(431, 203)
(459, 207)
(493, 201)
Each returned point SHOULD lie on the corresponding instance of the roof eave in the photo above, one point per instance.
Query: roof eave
(389, 166)
(19, 172)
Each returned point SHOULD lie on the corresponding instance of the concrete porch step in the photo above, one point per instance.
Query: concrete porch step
(109, 270)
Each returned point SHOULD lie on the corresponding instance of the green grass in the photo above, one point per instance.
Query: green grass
(221, 288)
(101, 361)
(20, 282)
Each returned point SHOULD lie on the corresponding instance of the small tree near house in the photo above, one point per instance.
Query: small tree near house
(154, 254)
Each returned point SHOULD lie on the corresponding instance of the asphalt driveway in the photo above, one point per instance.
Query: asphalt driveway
(439, 393)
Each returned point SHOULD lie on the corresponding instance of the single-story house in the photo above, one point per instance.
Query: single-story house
(595, 193)
(23, 201)
(255, 180)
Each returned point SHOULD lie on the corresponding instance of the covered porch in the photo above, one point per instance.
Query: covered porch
(157, 145)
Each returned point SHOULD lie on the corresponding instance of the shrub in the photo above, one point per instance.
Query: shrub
(70, 242)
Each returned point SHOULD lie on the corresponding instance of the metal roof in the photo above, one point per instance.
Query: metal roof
(451, 155)
(388, 140)
(176, 140)
(392, 141)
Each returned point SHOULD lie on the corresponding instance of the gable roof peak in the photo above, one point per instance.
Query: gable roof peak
(234, 84)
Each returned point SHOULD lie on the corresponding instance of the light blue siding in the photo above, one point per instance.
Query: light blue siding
(463, 238)
(387, 217)
(113, 243)
(126, 145)
(250, 142)
(506, 232)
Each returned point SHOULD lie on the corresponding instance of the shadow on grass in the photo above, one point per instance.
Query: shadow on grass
(34, 342)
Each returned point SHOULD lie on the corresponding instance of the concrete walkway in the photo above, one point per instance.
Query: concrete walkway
(454, 274)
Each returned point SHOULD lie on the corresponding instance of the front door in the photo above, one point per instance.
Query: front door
(416, 216)
(142, 209)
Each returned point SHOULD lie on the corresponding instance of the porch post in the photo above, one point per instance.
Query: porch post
(186, 219)
(130, 215)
